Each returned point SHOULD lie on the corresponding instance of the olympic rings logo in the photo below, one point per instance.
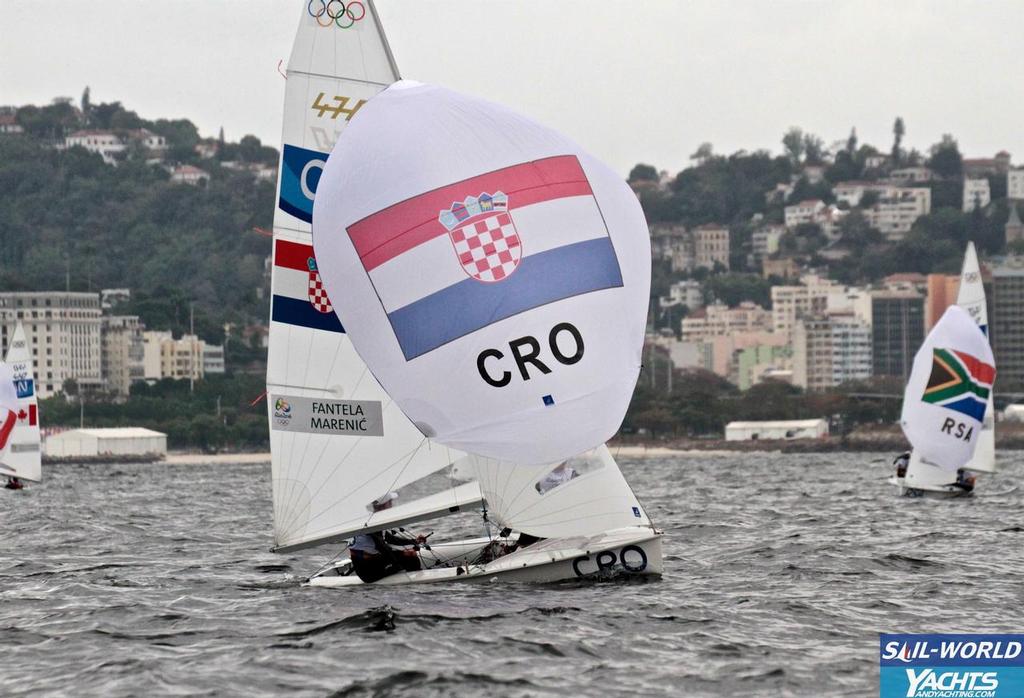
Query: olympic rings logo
(341, 14)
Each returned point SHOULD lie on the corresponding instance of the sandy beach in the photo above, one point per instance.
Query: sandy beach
(216, 458)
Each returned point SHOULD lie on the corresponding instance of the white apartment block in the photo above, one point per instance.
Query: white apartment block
(1015, 184)
(976, 194)
(894, 215)
(63, 330)
(719, 320)
(829, 350)
(765, 241)
(179, 359)
(189, 174)
(711, 246)
(803, 212)
(911, 175)
(687, 292)
(106, 144)
(789, 303)
(109, 145)
(122, 352)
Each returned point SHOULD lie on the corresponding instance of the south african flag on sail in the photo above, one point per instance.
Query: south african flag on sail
(960, 382)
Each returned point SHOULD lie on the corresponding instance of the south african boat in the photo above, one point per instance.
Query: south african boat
(923, 478)
(944, 406)
(456, 288)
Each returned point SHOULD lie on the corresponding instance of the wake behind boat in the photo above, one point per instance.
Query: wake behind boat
(493, 369)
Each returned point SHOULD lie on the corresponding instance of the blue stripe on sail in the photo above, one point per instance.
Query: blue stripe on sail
(470, 305)
(970, 406)
(302, 313)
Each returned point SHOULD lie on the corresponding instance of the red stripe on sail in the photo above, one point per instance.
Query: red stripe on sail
(399, 228)
(292, 255)
(8, 426)
(979, 370)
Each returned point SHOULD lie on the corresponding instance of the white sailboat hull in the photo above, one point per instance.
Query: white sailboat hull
(932, 491)
(634, 551)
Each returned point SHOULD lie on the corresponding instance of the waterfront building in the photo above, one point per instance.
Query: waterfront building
(63, 330)
(122, 353)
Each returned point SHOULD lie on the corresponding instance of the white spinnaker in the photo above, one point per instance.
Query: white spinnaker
(445, 336)
(323, 479)
(23, 457)
(941, 403)
(596, 501)
(971, 297)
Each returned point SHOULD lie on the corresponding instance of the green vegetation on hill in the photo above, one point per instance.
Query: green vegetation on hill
(68, 216)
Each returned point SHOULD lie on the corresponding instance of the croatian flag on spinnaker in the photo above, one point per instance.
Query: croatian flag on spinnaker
(299, 295)
(497, 245)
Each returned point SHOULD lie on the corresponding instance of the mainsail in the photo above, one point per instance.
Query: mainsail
(971, 297)
(22, 457)
(494, 276)
(338, 441)
(946, 396)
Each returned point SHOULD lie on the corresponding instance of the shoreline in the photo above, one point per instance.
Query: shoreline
(217, 459)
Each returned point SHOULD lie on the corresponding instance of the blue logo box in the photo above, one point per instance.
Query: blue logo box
(951, 666)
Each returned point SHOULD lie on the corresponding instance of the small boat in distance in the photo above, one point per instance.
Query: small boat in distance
(920, 478)
(944, 406)
(20, 452)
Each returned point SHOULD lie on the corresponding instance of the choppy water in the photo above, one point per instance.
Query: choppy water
(780, 573)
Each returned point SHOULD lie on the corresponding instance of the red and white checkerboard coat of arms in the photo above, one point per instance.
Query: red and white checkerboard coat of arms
(317, 293)
(485, 237)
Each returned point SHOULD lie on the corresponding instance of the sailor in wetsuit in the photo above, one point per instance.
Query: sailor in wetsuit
(965, 480)
(381, 554)
(901, 462)
(13, 483)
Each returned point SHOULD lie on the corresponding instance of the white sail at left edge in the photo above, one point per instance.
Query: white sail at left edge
(337, 440)
(23, 458)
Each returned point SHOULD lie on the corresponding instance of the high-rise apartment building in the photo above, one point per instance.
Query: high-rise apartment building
(63, 330)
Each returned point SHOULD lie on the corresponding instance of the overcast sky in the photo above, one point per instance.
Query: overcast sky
(631, 80)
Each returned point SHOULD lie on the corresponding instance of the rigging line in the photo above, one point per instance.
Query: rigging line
(408, 460)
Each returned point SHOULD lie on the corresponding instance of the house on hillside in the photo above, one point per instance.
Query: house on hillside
(189, 174)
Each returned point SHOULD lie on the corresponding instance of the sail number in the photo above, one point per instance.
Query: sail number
(336, 110)
(632, 558)
(565, 344)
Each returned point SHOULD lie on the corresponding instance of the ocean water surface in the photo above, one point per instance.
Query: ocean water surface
(780, 571)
